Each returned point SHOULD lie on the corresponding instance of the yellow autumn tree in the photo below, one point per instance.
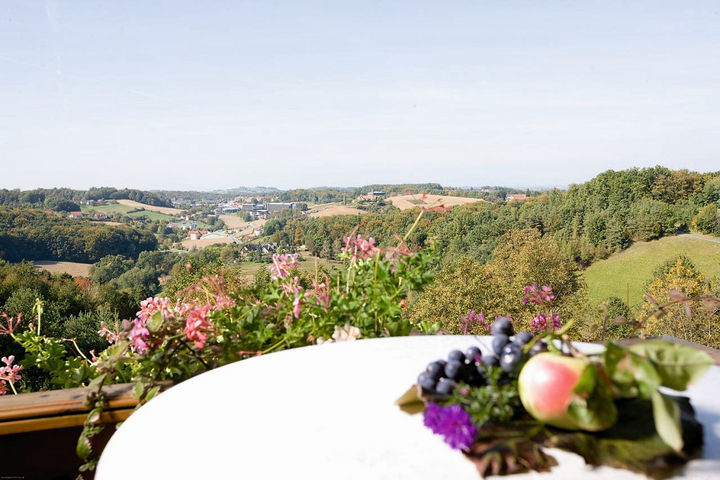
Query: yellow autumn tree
(523, 257)
(680, 275)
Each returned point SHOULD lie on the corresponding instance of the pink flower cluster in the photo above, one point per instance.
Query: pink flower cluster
(197, 325)
(114, 335)
(321, 293)
(11, 326)
(139, 334)
(537, 297)
(545, 321)
(472, 319)
(293, 289)
(282, 264)
(358, 248)
(402, 250)
(9, 374)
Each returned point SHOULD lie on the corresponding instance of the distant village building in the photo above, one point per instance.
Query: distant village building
(276, 207)
(182, 225)
(516, 196)
(264, 248)
(75, 215)
(101, 215)
(372, 196)
(196, 234)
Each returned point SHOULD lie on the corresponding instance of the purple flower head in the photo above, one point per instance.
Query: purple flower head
(546, 321)
(537, 297)
(470, 320)
(452, 423)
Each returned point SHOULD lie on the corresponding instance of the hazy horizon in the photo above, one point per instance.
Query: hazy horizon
(179, 95)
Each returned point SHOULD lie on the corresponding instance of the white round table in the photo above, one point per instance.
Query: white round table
(327, 412)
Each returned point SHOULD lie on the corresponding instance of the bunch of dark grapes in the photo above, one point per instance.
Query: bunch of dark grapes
(442, 376)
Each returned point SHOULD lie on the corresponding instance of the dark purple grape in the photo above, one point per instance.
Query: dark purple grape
(441, 362)
(523, 338)
(538, 347)
(456, 356)
(425, 381)
(502, 325)
(473, 354)
(474, 375)
(511, 358)
(454, 370)
(491, 360)
(435, 370)
(445, 386)
(499, 341)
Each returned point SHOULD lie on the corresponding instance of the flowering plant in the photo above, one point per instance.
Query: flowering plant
(208, 325)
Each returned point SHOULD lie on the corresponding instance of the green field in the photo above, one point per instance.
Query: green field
(111, 208)
(633, 267)
(152, 215)
(307, 264)
(108, 209)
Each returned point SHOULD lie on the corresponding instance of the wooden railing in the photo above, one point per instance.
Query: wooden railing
(39, 431)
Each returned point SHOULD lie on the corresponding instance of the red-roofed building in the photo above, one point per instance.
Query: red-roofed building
(75, 215)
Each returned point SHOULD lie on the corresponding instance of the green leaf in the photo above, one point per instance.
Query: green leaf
(83, 448)
(631, 375)
(411, 402)
(678, 365)
(592, 406)
(138, 390)
(152, 393)
(666, 414)
(155, 322)
(97, 380)
(633, 442)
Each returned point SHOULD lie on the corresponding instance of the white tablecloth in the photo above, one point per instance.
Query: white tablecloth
(326, 412)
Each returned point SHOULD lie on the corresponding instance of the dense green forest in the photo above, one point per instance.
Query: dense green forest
(67, 200)
(589, 221)
(36, 235)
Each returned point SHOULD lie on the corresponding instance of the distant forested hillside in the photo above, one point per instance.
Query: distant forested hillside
(67, 200)
(589, 221)
(27, 234)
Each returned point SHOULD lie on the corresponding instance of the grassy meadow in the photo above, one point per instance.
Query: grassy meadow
(631, 269)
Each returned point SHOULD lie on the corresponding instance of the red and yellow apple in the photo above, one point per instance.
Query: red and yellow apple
(546, 386)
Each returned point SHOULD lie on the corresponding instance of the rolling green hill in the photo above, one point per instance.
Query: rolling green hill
(633, 267)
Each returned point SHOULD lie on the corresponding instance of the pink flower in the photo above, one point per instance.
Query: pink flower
(322, 294)
(532, 295)
(358, 248)
(197, 326)
(223, 301)
(296, 307)
(155, 304)
(139, 335)
(113, 335)
(470, 320)
(543, 322)
(282, 264)
(10, 328)
(10, 372)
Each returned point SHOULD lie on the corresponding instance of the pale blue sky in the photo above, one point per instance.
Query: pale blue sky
(208, 95)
